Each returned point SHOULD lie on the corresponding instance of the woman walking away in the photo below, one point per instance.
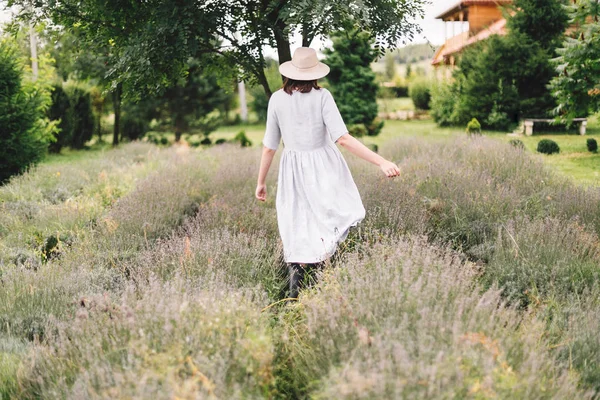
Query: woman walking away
(317, 200)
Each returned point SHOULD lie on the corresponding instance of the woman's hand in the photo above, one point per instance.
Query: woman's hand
(261, 192)
(389, 169)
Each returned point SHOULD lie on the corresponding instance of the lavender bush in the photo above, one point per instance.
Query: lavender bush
(473, 276)
(405, 320)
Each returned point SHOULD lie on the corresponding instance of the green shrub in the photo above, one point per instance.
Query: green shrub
(61, 110)
(400, 91)
(72, 109)
(518, 144)
(592, 145)
(135, 119)
(420, 92)
(207, 142)
(357, 130)
(443, 104)
(133, 128)
(547, 146)
(83, 121)
(194, 141)
(153, 137)
(220, 141)
(473, 127)
(499, 120)
(375, 127)
(242, 139)
(24, 129)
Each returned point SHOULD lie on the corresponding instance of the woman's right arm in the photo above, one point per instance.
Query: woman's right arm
(265, 164)
(360, 150)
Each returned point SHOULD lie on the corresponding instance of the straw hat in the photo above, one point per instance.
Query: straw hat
(305, 66)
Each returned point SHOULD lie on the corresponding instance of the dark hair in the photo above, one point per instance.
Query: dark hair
(289, 85)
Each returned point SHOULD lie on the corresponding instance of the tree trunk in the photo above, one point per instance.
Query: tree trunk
(180, 124)
(307, 35)
(117, 110)
(262, 79)
(243, 104)
(178, 130)
(283, 44)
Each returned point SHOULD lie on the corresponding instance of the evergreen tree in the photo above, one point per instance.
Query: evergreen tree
(352, 80)
(24, 130)
(503, 79)
(577, 86)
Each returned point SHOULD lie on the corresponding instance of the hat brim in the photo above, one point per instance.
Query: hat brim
(288, 70)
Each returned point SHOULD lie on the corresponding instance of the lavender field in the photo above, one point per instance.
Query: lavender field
(147, 272)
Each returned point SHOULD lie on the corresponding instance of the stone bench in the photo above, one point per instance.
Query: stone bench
(531, 121)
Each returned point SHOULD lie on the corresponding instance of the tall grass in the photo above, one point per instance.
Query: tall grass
(473, 276)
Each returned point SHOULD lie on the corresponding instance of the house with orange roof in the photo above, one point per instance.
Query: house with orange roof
(474, 20)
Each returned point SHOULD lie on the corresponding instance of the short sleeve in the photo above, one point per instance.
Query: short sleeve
(332, 118)
(272, 131)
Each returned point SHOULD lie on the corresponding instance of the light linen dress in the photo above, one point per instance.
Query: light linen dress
(317, 199)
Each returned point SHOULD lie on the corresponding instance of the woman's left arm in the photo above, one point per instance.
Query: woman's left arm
(265, 165)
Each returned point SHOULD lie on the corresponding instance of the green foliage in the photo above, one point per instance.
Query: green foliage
(375, 127)
(592, 145)
(260, 102)
(61, 110)
(577, 86)
(72, 109)
(542, 21)
(352, 82)
(190, 102)
(159, 139)
(473, 127)
(357, 130)
(419, 91)
(504, 79)
(547, 146)
(517, 144)
(443, 104)
(145, 64)
(136, 117)
(24, 130)
(82, 115)
(242, 139)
